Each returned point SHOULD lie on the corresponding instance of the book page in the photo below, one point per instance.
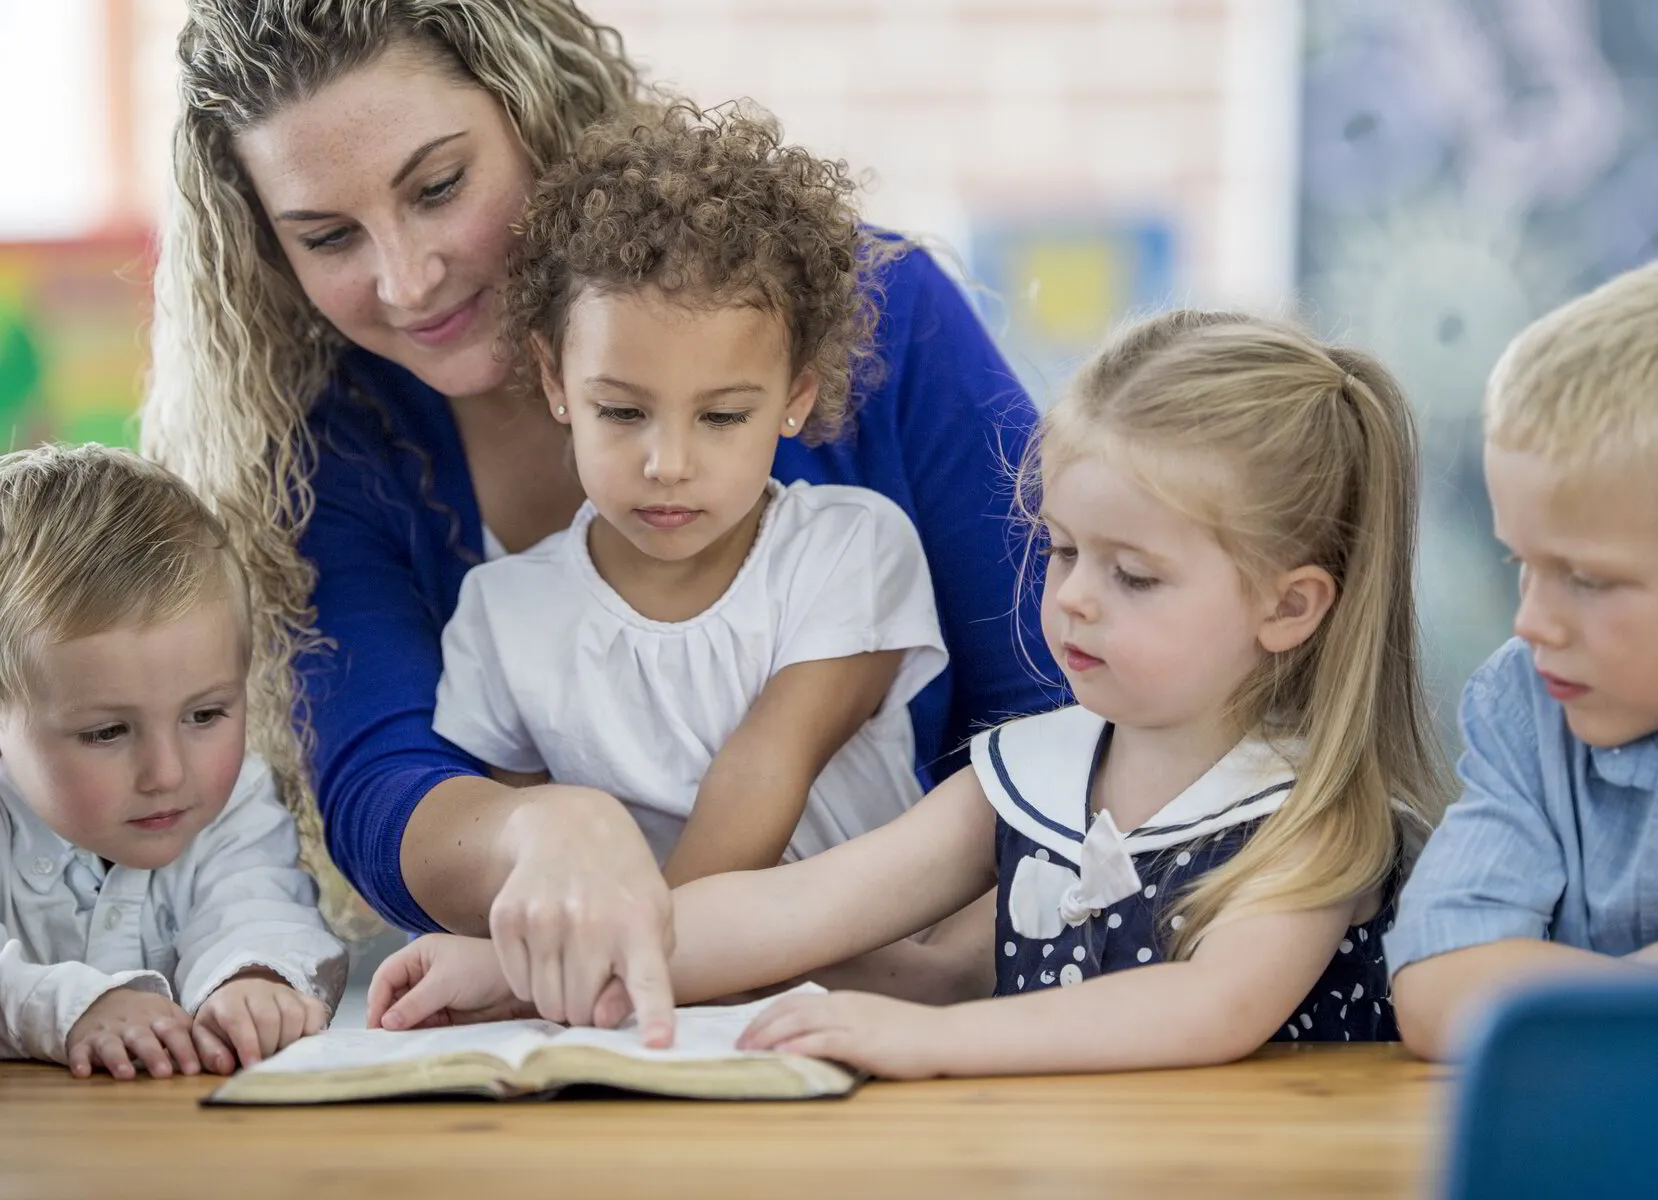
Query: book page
(699, 1033)
(347, 1049)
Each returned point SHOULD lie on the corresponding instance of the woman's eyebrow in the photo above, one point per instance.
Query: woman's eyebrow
(420, 154)
(408, 168)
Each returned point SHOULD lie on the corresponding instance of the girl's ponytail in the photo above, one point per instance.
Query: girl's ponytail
(1323, 457)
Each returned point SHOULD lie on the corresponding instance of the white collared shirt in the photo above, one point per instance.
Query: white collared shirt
(70, 930)
(547, 667)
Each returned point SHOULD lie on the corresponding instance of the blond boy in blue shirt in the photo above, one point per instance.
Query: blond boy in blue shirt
(1548, 863)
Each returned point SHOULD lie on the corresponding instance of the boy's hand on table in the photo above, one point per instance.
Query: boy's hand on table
(126, 1028)
(252, 1016)
(442, 979)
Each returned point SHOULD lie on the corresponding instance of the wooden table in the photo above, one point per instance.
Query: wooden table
(1292, 1121)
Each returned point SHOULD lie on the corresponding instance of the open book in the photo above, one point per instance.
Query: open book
(535, 1059)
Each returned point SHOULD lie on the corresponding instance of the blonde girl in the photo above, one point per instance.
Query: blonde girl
(1198, 857)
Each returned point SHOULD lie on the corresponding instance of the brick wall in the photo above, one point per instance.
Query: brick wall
(970, 111)
(973, 110)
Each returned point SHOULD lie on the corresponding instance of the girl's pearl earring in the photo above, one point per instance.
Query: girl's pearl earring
(791, 422)
(561, 410)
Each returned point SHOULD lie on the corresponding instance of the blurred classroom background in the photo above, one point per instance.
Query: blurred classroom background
(1420, 178)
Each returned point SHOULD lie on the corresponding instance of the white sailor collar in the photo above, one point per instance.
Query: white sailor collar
(1037, 773)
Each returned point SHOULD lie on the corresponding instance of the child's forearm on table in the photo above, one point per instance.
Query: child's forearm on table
(1166, 1015)
(1435, 998)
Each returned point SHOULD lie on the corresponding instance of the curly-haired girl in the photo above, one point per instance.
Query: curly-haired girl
(729, 656)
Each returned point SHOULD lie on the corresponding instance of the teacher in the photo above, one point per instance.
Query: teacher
(326, 373)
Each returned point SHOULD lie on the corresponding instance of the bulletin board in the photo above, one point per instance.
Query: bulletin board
(73, 320)
(1051, 288)
(1467, 166)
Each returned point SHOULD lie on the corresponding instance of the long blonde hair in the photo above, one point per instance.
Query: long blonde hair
(1317, 453)
(239, 354)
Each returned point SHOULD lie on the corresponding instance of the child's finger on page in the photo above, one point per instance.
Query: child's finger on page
(823, 1043)
(266, 1012)
(316, 1015)
(778, 1020)
(290, 1019)
(175, 1035)
(215, 1055)
(236, 1026)
(650, 988)
(415, 1006)
(391, 981)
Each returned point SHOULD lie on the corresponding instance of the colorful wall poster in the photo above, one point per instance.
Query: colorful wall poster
(73, 317)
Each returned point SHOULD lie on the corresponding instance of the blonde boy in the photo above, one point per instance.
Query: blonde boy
(1548, 864)
(152, 912)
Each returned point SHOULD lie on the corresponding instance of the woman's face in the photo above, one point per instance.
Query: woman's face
(393, 192)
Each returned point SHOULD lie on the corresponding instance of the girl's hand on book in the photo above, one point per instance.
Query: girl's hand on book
(252, 1016)
(583, 925)
(125, 1028)
(442, 979)
(890, 1038)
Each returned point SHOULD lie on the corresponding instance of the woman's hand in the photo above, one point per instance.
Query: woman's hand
(583, 925)
(441, 979)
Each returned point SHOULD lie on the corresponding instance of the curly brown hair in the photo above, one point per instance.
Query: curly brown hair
(710, 207)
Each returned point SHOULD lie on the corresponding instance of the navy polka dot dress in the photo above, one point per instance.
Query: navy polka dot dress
(1075, 902)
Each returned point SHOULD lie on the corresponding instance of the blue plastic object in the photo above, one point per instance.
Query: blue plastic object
(1560, 1097)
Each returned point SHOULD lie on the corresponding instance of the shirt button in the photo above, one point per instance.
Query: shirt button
(43, 866)
(112, 919)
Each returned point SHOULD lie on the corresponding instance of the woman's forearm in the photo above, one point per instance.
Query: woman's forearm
(562, 882)
(467, 834)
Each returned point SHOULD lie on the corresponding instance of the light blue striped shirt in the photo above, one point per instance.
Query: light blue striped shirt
(1552, 838)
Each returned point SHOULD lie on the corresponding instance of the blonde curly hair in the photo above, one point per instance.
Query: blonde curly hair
(708, 207)
(239, 354)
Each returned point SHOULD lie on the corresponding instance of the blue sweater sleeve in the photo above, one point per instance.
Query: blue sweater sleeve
(379, 537)
(963, 424)
(940, 433)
